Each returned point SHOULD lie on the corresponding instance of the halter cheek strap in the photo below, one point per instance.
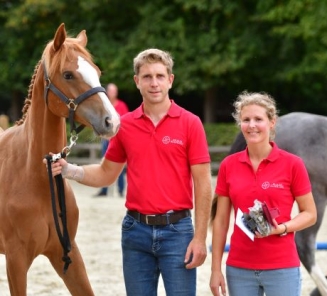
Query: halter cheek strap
(72, 104)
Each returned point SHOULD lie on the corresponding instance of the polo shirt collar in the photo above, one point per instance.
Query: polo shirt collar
(244, 156)
(174, 110)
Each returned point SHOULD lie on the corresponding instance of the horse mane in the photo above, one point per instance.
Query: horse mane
(54, 60)
(28, 100)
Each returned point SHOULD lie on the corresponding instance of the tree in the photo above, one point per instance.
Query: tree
(220, 47)
(301, 54)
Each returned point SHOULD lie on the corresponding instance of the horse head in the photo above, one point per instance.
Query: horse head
(72, 84)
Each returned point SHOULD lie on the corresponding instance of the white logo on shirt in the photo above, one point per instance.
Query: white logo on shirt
(167, 140)
(266, 185)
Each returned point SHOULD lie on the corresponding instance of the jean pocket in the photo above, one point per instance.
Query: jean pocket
(183, 225)
(128, 223)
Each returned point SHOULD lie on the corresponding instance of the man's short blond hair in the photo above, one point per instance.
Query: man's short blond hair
(153, 55)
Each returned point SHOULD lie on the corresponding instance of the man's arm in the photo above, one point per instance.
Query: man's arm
(201, 174)
(95, 175)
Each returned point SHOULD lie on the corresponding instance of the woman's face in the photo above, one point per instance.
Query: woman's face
(255, 124)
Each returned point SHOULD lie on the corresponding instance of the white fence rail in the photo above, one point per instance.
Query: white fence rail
(85, 153)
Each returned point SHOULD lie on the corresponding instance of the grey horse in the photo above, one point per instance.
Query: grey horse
(305, 135)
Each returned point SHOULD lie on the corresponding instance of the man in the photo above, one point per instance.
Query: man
(121, 108)
(168, 161)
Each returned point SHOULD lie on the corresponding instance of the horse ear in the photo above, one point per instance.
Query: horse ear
(82, 38)
(60, 37)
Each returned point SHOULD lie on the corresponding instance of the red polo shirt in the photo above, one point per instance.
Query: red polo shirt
(159, 159)
(121, 107)
(279, 179)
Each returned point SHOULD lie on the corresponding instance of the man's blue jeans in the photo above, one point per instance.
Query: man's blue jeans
(273, 282)
(149, 251)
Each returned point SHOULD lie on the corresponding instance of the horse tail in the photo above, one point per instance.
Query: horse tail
(213, 209)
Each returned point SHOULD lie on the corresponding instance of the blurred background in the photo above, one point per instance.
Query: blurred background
(220, 48)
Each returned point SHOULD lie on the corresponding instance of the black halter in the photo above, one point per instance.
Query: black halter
(72, 104)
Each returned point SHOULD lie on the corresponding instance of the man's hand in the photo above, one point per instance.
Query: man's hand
(58, 165)
(196, 254)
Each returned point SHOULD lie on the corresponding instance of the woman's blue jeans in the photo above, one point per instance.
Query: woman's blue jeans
(149, 251)
(273, 282)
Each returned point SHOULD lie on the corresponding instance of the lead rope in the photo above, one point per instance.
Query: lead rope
(62, 235)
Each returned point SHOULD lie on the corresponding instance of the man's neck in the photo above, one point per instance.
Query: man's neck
(156, 111)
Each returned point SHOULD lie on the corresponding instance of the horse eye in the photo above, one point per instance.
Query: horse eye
(68, 75)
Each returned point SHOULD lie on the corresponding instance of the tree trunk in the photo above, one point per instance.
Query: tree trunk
(210, 103)
(15, 111)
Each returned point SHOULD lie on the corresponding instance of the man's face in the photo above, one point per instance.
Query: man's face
(154, 82)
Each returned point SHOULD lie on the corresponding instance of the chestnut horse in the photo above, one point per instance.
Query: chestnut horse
(27, 227)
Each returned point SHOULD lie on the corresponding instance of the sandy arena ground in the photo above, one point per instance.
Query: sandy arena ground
(98, 238)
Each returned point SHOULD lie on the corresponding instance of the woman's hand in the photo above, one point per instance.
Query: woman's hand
(217, 284)
(275, 229)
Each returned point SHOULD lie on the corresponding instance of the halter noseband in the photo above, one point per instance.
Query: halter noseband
(72, 104)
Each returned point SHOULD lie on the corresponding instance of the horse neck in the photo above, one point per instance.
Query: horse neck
(45, 131)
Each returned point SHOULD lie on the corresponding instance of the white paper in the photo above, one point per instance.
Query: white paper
(240, 224)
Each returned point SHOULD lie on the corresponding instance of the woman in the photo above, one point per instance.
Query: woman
(267, 264)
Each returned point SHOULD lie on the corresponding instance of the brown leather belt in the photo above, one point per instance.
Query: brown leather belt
(161, 219)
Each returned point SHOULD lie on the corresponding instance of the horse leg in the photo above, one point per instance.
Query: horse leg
(315, 292)
(17, 264)
(306, 245)
(75, 278)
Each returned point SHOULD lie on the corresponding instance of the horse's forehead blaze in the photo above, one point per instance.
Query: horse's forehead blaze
(88, 72)
(90, 76)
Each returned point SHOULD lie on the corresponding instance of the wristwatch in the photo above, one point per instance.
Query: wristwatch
(285, 231)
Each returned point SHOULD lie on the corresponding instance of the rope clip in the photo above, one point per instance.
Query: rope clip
(73, 139)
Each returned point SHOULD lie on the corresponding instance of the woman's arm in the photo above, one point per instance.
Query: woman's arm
(220, 227)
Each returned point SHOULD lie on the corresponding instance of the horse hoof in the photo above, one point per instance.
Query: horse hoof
(315, 292)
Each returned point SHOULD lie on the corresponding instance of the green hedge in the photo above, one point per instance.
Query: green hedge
(218, 134)
(221, 134)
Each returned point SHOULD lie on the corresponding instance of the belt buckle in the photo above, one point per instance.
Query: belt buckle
(146, 218)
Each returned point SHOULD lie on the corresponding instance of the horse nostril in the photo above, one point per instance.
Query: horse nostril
(107, 122)
(112, 125)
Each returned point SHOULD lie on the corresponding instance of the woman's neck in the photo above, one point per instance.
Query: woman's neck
(257, 153)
